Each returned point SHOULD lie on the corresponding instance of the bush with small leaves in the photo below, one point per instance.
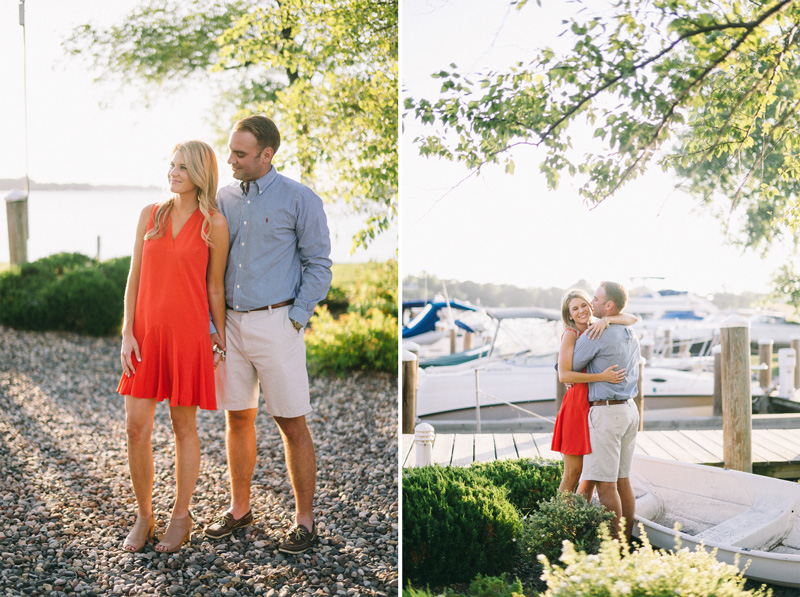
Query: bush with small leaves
(66, 291)
(527, 481)
(455, 524)
(482, 586)
(564, 517)
(353, 342)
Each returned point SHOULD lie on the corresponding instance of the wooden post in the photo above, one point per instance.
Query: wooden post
(409, 390)
(468, 340)
(452, 340)
(639, 400)
(736, 399)
(717, 399)
(765, 358)
(795, 343)
(17, 214)
(667, 348)
(764, 374)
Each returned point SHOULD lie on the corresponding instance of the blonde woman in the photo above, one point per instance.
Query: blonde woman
(571, 432)
(176, 278)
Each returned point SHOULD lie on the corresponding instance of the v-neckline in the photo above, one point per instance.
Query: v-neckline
(171, 233)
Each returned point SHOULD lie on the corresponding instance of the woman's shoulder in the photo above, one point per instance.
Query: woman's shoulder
(217, 217)
(570, 332)
(147, 211)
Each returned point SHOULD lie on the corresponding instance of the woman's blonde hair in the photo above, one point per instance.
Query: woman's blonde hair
(571, 294)
(201, 164)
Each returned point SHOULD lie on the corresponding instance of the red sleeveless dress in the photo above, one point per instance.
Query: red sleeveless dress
(171, 320)
(571, 431)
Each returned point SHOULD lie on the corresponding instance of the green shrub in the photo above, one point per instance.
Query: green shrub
(376, 289)
(66, 291)
(494, 586)
(352, 342)
(336, 301)
(116, 270)
(86, 302)
(482, 586)
(615, 572)
(564, 517)
(527, 481)
(455, 524)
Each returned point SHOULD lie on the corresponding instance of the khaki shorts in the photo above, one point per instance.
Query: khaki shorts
(612, 433)
(263, 346)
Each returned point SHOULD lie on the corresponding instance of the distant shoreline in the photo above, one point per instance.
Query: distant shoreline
(8, 184)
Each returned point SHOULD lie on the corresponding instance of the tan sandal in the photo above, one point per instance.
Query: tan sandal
(142, 531)
(179, 531)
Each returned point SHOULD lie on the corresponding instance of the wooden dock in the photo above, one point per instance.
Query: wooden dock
(776, 452)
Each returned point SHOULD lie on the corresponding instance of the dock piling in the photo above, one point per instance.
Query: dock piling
(765, 346)
(737, 407)
(409, 383)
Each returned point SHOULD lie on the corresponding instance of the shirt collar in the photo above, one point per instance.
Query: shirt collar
(263, 182)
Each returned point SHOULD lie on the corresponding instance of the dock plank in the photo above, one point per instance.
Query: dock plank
(676, 449)
(790, 438)
(714, 452)
(484, 448)
(463, 449)
(767, 440)
(526, 447)
(442, 452)
(651, 447)
(504, 446)
(543, 442)
(697, 452)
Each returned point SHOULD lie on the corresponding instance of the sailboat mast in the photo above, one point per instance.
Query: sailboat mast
(25, 92)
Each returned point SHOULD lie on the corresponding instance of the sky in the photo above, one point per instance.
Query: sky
(509, 229)
(80, 131)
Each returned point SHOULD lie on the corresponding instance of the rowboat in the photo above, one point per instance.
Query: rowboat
(753, 517)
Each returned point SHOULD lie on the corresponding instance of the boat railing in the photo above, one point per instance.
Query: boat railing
(479, 393)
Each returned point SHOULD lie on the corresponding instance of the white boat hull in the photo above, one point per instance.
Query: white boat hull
(751, 518)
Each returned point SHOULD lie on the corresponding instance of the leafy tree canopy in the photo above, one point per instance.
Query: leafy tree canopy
(325, 70)
(707, 89)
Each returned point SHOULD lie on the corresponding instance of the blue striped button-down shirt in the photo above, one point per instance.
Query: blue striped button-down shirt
(280, 245)
(617, 346)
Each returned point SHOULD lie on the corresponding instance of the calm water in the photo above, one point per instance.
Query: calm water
(72, 221)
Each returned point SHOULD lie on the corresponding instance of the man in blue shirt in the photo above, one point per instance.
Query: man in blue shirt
(613, 416)
(278, 270)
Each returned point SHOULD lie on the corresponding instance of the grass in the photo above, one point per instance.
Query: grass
(345, 275)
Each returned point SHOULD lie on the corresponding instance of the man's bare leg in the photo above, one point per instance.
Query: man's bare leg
(302, 466)
(240, 442)
(610, 498)
(628, 502)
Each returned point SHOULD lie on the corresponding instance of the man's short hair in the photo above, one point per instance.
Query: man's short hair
(616, 293)
(263, 129)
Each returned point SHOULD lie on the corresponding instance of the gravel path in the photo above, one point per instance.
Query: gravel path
(66, 501)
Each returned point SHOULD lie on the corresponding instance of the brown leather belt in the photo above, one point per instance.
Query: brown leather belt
(275, 306)
(607, 402)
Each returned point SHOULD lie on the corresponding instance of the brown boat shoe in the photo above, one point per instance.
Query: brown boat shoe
(299, 539)
(225, 524)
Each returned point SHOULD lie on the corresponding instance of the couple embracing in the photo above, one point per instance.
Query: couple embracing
(255, 257)
(598, 421)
